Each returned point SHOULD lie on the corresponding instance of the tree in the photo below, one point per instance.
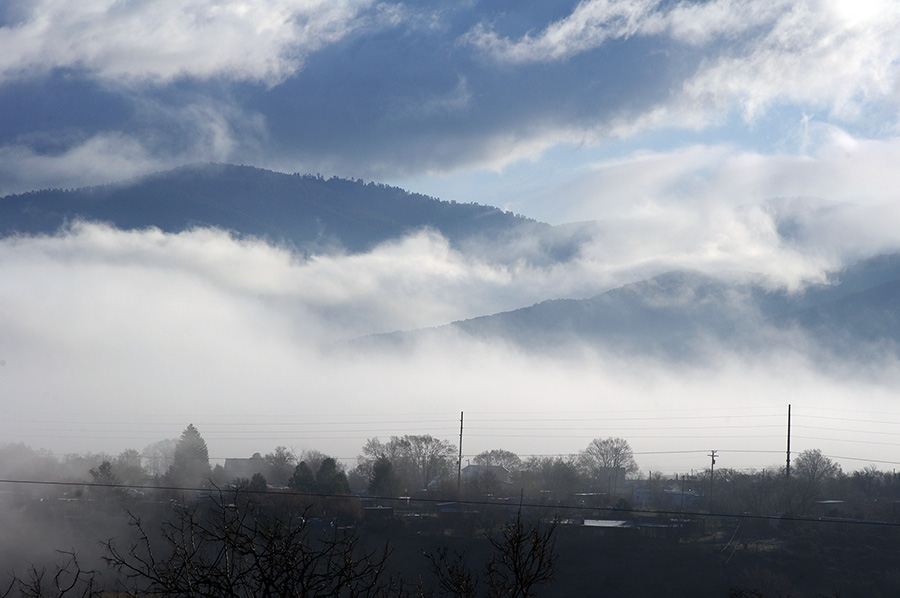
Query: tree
(417, 460)
(313, 458)
(523, 558)
(68, 579)
(330, 479)
(604, 458)
(280, 465)
(103, 474)
(383, 481)
(159, 456)
(302, 480)
(507, 459)
(231, 548)
(396, 451)
(258, 483)
(431, 456)
(128, 468)
(547, 473)
(190, 461)
(811, 471)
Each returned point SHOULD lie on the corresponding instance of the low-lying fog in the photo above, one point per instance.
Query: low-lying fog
(113, 340)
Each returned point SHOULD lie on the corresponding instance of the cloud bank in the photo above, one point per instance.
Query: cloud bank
(117, 339)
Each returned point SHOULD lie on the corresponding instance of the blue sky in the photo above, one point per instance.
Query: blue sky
(690, 130)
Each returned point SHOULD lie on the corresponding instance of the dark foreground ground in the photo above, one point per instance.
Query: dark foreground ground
(726, 557)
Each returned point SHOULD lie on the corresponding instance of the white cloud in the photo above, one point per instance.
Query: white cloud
(160, 41)
(103, 157)
(595, 22)
(824, 54)
(590, 25)
(114, 339)
(815, 54)
(213, 131)
(711, 207)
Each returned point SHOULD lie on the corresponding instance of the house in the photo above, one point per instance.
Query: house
(244, 468)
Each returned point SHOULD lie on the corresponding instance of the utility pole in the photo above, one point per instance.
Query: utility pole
(712, 470)
(787, 467)
(459, 461)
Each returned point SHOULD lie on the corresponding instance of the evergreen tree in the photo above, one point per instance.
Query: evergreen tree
(190, 464)
(383, 481)
(330, 479)
(302, 479)
(258, 483)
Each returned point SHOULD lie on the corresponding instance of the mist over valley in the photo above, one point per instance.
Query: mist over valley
(221, 294)
(344, 297)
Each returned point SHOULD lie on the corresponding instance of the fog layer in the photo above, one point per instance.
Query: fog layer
(114, 340)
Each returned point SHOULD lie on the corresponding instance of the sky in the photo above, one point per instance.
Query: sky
(687, 130)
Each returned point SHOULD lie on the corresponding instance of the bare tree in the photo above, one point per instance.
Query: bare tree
(605, 458)
(65, 580)
(508, 459)
(281, 464)
(416, 459)
(431, 456)
(811, 470)
(230, 548)
(523, 559)
(159, 456)
(455, 579)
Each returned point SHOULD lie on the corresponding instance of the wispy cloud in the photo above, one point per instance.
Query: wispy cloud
(590, 25)
(825, 54)
(203, 129)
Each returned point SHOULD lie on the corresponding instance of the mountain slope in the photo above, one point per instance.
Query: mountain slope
(309, 212)
(685, 315)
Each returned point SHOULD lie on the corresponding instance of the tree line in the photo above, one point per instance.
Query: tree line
(411, 465)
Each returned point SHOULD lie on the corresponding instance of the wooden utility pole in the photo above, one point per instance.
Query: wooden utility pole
(459, 461)
(712, 475)
(787, 467)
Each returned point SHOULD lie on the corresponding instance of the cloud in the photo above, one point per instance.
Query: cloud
(594, 23)
(113, 339)
(385, 91)
(590, 25)
(720, 203)
(824, 55)
(817, 54)
(160, 136)
(159, 42)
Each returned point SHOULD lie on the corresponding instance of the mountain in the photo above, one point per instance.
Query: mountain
(685, 315)
(309, 212)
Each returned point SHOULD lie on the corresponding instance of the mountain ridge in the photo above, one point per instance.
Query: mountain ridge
(687, 315)
(310, 212)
